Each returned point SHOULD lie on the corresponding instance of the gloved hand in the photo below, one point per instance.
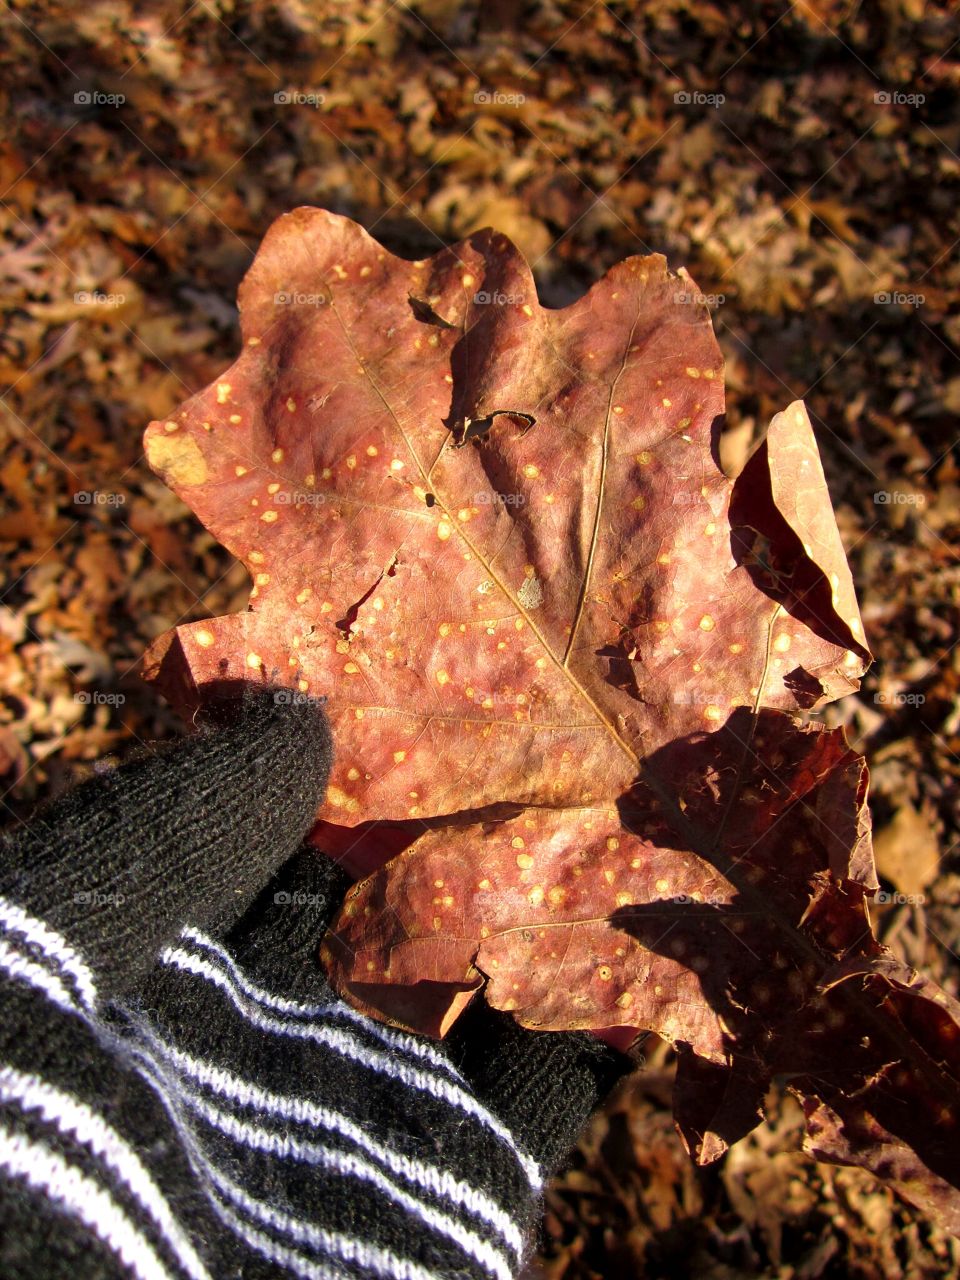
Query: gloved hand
(182, 1093)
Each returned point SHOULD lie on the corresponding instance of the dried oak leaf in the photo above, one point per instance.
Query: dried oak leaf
(901, 1123)
(559, 649)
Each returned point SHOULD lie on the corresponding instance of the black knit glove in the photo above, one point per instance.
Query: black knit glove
(181, 1092)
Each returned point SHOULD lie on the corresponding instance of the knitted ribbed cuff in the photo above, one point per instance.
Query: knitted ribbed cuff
(278, 939)
(189, 833)
(544, 1085)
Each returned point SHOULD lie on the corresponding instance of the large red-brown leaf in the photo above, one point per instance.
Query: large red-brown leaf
(561, 599)
(558, 647)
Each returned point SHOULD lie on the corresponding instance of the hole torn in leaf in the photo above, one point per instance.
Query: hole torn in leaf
(805, 687)
(476, 428)
(345, 623)
(424, 312)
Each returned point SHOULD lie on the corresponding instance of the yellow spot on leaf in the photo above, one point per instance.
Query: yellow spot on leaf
(223, 392)
(707, 623)
(268, 517)
(304, 595)
(205, 639)
(254, 661)
(177, 458)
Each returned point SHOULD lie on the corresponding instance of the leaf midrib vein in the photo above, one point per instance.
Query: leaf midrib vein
(494, 576)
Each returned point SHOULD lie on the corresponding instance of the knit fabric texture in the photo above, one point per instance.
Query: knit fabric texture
(181, 1091)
